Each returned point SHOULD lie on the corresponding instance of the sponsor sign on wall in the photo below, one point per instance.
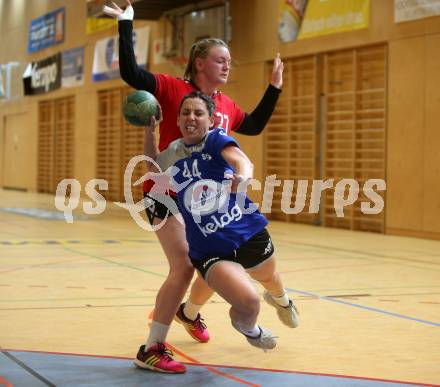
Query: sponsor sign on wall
(406, 10)
(99, 24)
(291, 15)
(46, 30)
(73, 67)
(106, 56)
(332, 16)
(43, 76)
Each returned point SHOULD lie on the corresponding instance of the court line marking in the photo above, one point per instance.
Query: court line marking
(380, 288)
(194, 362)
(4, 382)
(236, 367)
(41, 265)
(293, 290)
(304, 298)
(329, 375)
(61, 242)
(114, 263)
(87, 306)
(367, 254)
(371, 295)
(210, 368)
(64, 241)
(28, 369)
(318, 268)
(290, 243)
(10, 300)
(326, 298)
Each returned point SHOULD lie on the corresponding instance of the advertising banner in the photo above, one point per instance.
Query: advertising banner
(291, 16)
(46, 30)
(106, 56)
(73, 67)
(99, 24)
(406, 10)
(332, 16)
(43, 76)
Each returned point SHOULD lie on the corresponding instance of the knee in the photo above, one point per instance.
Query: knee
(266, 277)
(250, 304)
(182, 273)
(269, 277)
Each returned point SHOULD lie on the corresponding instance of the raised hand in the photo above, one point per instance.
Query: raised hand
(277, 72)
(117, 12)
(152, 125)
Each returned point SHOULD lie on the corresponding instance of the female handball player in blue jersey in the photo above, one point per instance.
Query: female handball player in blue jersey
(226, 234)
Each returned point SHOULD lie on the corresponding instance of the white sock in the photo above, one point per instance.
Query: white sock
(191, 310)
(282, 300)
(158, 333)
(253, 332)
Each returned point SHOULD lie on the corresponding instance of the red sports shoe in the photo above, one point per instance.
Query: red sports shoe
(197, 328)
(158, 358)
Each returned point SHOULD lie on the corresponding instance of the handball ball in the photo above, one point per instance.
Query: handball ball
(139, 107)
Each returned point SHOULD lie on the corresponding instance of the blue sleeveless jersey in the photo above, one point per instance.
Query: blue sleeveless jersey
(216, 221)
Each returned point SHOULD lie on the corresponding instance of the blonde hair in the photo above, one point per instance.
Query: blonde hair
(200, 49)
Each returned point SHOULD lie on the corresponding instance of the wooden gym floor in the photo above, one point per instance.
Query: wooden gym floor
(75, 301)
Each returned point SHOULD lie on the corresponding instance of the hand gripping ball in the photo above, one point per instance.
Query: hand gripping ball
(139, 107)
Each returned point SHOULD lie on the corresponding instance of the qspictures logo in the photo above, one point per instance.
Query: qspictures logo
(205, 197)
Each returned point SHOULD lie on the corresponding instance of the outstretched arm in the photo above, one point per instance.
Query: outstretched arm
(131, 73)
(254, 123)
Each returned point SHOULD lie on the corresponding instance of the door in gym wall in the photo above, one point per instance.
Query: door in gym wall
(17, 149)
